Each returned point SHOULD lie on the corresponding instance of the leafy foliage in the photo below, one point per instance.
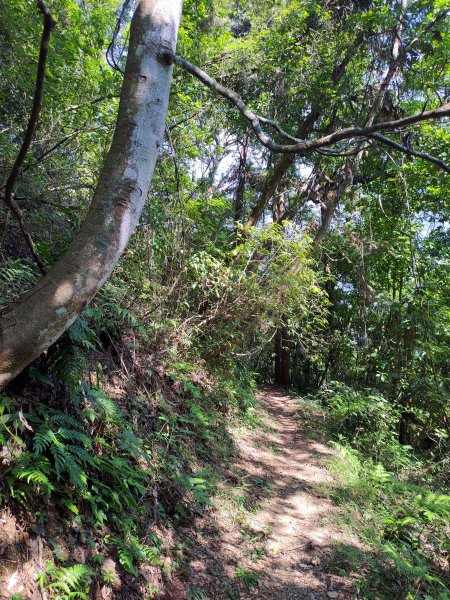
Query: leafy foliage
(124, 422)
(366, 420)
(407, 524)
(66, 582)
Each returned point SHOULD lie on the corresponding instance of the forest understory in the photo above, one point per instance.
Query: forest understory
(224, 299)
(270, 531)
(268, 506)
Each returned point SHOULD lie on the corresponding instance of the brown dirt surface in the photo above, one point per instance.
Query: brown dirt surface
(271, 537)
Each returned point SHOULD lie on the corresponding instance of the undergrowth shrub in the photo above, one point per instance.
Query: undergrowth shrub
(111, 465)
(16, 276)
(124, 423)
(367, 421)
(55, 454)
(404, 521)
(405, 526)
(66, 582)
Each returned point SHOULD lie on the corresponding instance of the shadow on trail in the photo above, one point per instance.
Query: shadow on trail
(270, 539)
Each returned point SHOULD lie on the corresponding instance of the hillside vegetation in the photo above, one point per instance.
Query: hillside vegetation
(285, 258)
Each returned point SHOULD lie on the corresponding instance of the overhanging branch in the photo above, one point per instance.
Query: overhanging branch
(304, 147)
(411, 151)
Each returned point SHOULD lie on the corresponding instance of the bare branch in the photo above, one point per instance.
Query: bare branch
(345, 151)
(8, 198)
(439, 17)
(339, 68)
(410, 151)
(277, 127)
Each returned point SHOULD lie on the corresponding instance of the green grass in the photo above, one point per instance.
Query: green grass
(248, 577)
(403, 525)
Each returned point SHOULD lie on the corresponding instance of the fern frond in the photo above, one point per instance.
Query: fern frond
(42, 440)
(59, 454)
(74, 435)
(71, 582)
(34, 476)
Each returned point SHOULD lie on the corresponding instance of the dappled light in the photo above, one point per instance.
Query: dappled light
(224, 307)
(63, 294)
(287, 530)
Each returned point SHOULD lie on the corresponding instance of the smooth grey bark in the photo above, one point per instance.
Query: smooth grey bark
(30, 325)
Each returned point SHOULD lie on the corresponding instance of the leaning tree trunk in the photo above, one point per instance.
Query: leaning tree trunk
(30, 325)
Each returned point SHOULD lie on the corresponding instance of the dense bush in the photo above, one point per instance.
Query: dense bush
(402, 515)
(367, 421)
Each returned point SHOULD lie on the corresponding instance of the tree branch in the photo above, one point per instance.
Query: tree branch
(279, 171)
(49, 23)
(303, 131)
(303, 147)
(439, 17)
(410, 151)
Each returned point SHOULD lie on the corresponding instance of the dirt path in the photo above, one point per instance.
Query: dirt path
(271, 536)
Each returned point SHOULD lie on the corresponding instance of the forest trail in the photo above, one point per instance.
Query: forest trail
(278, 548)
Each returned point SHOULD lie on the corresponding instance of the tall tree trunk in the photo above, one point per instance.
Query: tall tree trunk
(239, 198)
(280, 170)
(36, 320)
(282, 357)
(282, 337)
(305, 129)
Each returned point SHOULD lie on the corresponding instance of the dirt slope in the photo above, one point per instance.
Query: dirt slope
(268, 536)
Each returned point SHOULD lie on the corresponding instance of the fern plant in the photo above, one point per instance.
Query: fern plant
(64, 583)
(131, 551)
(412, 566)
(16, 276)
(59, 457)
